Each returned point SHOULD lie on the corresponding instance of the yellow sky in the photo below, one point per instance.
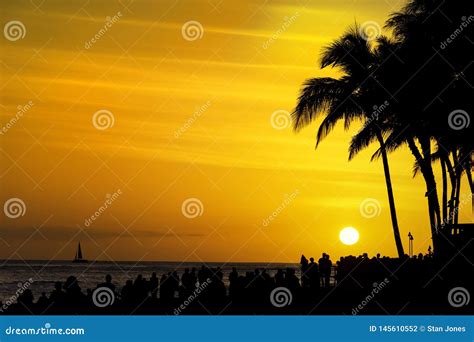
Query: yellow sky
(192, 119)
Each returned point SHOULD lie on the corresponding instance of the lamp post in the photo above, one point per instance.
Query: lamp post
(410, 245)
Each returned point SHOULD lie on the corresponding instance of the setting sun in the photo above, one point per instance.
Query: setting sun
(349, 236)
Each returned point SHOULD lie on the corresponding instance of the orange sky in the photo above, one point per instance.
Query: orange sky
(191, 119)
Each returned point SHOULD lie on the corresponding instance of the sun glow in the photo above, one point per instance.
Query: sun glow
(349, 236)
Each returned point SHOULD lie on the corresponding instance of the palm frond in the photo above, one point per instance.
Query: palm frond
(352, 52)
(396, 138)
(366, 135)
(316, 97)
(342, 108)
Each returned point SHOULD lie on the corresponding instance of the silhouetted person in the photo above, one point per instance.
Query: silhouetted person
(280, 278)
(327, 270)
(322, 269)
(139, 288)
(58, 296)
(75, 299)
(26, 299)
(127, 293)
(153, 285)
(164, 288)
(313, 273)
(193, 278)
(202, 274)
(174, 283)
(304, 271)
(43, 301)
(291, 280)
(233, 279)
(108, 283)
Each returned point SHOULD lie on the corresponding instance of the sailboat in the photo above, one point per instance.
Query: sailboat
(78, 257)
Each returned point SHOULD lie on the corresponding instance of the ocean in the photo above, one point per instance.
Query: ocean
(14, 273)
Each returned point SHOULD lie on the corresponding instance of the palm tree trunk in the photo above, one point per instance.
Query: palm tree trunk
(431, 205)
(457, 197)
(469, 178)
(391, 199)
(445, 191)
(432, 189)
(458, 171)
(452, 177)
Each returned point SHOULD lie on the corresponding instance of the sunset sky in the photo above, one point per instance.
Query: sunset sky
(192, 118)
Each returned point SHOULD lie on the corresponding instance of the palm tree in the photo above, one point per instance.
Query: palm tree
(351, 97)
(426, 85)
(433, 83)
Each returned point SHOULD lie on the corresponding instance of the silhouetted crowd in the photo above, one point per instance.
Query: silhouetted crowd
(314, 275)
(412, 284)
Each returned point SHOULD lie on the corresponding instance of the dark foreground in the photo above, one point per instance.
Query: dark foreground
(355, 285)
